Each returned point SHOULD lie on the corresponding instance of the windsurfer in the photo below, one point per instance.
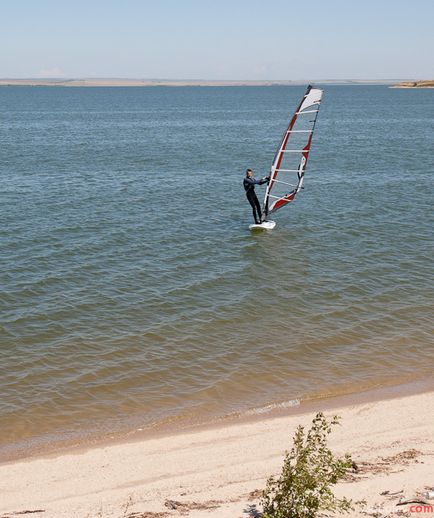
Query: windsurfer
(249, 186)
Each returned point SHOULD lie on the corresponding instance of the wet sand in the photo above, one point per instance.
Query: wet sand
(219, 471)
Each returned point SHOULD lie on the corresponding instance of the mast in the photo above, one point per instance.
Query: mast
(290, 160)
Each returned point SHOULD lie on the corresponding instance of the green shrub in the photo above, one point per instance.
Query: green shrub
(309, 470)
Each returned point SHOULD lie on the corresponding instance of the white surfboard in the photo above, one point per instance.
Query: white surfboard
(265, 225)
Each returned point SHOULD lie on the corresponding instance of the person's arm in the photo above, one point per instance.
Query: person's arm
(266, 179)
(251, 181)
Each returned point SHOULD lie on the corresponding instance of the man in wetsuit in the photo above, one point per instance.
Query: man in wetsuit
(249, 186)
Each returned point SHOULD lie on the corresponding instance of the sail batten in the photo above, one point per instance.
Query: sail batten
(307, 111)
(293, 151)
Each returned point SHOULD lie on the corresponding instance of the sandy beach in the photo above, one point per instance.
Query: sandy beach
(220, 471)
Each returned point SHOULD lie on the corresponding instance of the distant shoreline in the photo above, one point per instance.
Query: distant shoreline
(113, 82)
(415, 84)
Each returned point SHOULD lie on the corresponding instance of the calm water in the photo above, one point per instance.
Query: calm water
(132, 292)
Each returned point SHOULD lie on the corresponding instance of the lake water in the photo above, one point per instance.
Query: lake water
(133, 294)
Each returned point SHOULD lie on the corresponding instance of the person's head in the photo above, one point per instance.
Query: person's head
(249, 173)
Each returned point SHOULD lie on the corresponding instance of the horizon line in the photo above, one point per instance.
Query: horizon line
(132, 78)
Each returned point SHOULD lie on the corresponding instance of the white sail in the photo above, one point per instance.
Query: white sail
(289, 164)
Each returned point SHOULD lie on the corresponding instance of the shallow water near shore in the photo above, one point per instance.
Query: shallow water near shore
(133, 294)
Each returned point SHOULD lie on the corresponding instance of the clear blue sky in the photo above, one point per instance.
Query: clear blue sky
(217, 39)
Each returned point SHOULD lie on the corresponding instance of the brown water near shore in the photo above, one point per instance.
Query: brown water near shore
(324, 403)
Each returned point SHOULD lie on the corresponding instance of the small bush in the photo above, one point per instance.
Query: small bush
(309, 470)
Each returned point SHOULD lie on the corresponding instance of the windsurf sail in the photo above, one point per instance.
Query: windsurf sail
(289, 164)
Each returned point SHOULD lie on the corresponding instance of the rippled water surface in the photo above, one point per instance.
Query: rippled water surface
(132, 292)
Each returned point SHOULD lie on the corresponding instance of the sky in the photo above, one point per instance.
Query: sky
(217, 39)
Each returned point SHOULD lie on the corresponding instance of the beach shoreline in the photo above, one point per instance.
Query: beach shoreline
(61, 446)
(223, 467)
(58, 445)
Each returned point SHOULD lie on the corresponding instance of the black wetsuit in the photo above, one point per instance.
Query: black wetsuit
(249, 187)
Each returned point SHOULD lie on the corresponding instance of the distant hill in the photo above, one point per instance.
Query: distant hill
(415, 84)
(180, 82)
